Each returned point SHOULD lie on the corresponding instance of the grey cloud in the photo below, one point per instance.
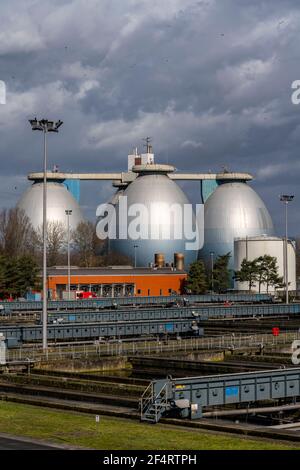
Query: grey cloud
(209, 81)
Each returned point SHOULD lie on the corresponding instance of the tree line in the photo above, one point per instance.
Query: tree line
(201, 280)
(262, 271)
(21, 251)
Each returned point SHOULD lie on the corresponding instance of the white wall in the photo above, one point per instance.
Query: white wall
(254, 247)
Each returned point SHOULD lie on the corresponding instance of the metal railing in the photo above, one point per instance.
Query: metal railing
(116, 349)
(146, 399)
(153, 403)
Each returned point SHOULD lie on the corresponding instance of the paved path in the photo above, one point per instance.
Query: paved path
(8, 442)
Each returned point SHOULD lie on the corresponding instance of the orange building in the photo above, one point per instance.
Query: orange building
(116, 281)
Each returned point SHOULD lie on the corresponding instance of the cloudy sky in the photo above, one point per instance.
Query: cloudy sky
(209, 80)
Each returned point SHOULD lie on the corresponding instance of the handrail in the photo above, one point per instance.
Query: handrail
(148, 400)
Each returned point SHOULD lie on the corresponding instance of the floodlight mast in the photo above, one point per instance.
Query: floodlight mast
(285, 198)
(45, 126)
(212, 270)
(68, 213)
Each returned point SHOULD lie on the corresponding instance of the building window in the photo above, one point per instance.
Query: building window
(170, 291)
(107, 290)
(148, 291)
(84, 287)
(129, 289)
(139, 291)
(118, 290)
(160, 291)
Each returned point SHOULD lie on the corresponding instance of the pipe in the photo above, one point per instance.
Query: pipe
(266, 409)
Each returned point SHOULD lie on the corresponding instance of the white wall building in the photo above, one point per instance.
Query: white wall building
(252, 247)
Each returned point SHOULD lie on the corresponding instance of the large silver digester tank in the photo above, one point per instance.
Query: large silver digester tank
(233, 210)
(58, 200)
(156, 192)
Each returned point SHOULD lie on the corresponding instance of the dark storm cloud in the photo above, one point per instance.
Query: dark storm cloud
(209, 80)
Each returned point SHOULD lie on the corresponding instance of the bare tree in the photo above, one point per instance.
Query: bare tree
(56, 243)
(85, 244)
(114, 258)
(17, 236)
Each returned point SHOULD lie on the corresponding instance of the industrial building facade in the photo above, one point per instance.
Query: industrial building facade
(116, 282)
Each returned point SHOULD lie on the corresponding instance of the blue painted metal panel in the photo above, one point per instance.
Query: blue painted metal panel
(115, 302)
(74, 187)
(169, 327)
(231, 391)
(75, 331)
(221, 390)
(207, 187)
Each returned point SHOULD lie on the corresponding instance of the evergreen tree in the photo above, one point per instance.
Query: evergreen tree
(262, 270)
(27, 272)
(18, 275)
(262, 265)
(247, 273)
(270, 275)
(2, 275)
(196, 281)
(221, 274)
(11, 277)
(276, 281)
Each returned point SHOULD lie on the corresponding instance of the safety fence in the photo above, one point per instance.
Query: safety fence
(121, 348)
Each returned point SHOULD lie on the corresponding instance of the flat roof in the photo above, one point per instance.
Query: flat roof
(127, 177)
(112, 271)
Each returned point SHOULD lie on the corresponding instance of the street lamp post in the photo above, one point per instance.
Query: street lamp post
(286, 199)
(68, 213)
(212, 270)
(45, 126)
(135, 247)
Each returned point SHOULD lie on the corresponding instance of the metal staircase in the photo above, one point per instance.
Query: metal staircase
(154, 401)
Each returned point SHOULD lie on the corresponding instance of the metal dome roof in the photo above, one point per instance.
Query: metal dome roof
(158, 189)
(58, 200)
(232, 211)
